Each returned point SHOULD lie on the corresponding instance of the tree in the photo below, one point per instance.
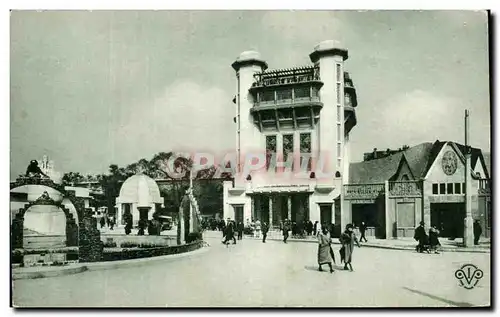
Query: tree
(71, 178)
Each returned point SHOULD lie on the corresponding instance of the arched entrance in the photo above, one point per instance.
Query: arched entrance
(44, 200)
(81, 232)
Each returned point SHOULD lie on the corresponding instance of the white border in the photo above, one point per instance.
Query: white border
(199, 5)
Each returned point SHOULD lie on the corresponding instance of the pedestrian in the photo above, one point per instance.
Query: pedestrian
(240, 230)
(265, 229)
(102, 222)
(257, 229)
(294, 229)
(111, 223)
(347, 239)
(434, 239)
(128, 223)
(229, 233)
(315, 228)
(319, 228)
(286, 229)
(362, 230)
(421, 237)
(309, 227)
(324, 250)
(477, 232)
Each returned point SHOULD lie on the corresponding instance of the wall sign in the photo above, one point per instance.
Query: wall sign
(449, 162)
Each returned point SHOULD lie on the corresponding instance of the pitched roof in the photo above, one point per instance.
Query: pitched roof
(487, 162)
(419, 158)
(374, 171)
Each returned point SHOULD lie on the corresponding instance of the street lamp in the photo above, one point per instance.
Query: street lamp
(468, 222)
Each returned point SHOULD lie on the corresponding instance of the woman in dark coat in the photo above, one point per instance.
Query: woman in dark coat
(324, 247)
(347, 239)
(434, 239)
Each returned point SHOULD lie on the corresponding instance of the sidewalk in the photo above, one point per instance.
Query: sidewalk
(393, 244)
(52, 271)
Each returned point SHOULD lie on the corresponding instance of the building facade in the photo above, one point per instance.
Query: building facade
(296, 122)
(393, 191)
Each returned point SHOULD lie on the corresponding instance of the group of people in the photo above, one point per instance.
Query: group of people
(326, 254)
(107, 221)
(430, 242)
(231, 229)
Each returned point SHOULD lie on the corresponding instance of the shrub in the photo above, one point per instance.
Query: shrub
(110, 244)
(129, 244)
(194, 236)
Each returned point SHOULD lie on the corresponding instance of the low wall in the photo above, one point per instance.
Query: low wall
(137, 253)
(121, 239)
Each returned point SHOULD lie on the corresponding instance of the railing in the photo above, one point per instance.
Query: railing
(405, 189)
(287, 101)
(287, 76)
(484, 186)
(363, 191)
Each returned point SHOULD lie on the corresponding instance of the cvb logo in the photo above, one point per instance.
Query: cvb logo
(469, 275)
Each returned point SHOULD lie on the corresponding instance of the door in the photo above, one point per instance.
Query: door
(449, 219)
(325, 213)
(238, 213)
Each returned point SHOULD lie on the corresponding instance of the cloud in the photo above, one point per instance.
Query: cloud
(408, 118)
(187, 116)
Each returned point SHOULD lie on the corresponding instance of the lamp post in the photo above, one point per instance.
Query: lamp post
(468, 222)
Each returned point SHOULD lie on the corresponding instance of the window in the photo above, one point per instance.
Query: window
(458, 188)
(406, 215)
(270, 149)
(488, 214)
(302, 92)
(339, 72)
(464, 190)
(283, 94)
(288, 149)
(339, 150)
(449, 188)
(339, 113)
(405, 178)
(338, 94)
(347, 100)
(435, 189)
(305, 147)
(339, 132)
(315, 92)
(442, 189)
(267, 96)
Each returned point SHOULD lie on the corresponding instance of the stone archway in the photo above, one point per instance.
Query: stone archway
(44, 200)
(83, 234)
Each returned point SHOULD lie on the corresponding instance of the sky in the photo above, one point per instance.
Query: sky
(90, 89)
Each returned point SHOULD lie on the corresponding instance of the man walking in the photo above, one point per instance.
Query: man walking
(240, 230)
(286, 229)
(362, 230)
(477, 232)
(265, 229)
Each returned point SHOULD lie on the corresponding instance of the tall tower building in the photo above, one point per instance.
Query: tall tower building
(292, 138)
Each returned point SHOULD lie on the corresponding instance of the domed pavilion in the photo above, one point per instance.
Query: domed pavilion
(139, 195)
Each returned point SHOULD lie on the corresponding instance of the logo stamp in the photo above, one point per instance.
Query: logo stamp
(469, 275)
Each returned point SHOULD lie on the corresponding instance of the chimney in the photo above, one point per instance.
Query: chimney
(375, 153)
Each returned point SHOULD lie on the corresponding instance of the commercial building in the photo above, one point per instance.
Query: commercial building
(298, 120)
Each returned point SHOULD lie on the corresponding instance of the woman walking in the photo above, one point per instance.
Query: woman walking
(347, 239)
(324, 247)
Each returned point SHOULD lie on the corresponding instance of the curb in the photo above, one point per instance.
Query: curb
(388, 247)
(53, 273)
(101, 266)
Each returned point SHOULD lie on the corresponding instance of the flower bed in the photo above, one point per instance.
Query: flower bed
(118, 254)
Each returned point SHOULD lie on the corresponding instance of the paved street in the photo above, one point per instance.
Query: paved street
(273, 274)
